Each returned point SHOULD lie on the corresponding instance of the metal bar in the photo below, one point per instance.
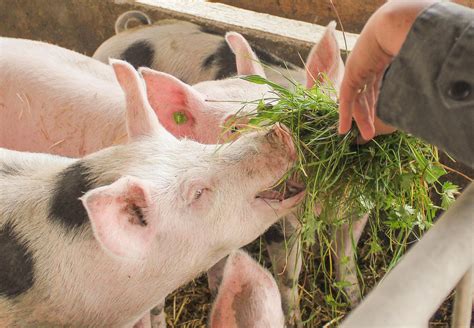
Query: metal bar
(416, 287)
(462, 310)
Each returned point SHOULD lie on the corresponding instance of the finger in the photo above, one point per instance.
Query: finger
(362, 118)
(366, 100)
(371, 99)
(360, 140)
(346, 103)
(351, 90)
(376, 91)
(345, 116)
(377, 86)
(383, 128)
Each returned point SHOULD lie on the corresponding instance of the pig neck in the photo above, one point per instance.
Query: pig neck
(101, 289)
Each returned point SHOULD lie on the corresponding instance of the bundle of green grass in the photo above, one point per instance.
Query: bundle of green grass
(392, 177)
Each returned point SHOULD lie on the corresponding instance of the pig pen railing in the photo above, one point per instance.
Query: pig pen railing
(410, 294)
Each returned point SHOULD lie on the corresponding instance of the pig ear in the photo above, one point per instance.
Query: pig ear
(248, 295)
(325, 58)
(246, 60)
(122, 217)
(175, 103)
(140, 119)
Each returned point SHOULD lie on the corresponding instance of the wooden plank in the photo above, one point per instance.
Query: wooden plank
(258, 25)
(352, 13)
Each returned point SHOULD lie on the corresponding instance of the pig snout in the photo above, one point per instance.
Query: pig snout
(279, 136)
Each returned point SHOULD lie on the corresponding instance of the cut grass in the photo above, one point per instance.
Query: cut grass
(390, 177)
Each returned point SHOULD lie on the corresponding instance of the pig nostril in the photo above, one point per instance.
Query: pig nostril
(277, 130)
(282, 133)
(287, 139)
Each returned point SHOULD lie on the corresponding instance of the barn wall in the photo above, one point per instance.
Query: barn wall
(353, 13)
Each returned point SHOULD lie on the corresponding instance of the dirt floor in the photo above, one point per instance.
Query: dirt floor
(190, 305)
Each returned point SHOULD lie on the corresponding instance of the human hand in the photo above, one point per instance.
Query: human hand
(379, 42)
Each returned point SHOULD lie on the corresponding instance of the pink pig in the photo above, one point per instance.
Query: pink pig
(58, 101)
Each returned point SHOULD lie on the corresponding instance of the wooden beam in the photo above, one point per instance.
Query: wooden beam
(258, 25)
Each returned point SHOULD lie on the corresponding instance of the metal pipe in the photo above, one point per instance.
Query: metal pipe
(462, 309)
(417, 286)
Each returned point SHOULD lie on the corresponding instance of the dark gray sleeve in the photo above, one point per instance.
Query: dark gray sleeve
(428, 90)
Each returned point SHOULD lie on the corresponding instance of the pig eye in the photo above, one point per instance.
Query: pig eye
(234, 129)
(195, 192)
(198, 194)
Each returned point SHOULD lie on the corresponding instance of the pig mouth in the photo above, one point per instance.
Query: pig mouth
(281, 192)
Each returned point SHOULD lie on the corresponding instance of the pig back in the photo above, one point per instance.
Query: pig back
(179, 48)
(57, 101)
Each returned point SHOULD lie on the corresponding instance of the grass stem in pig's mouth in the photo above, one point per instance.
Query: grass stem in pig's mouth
(391, 177)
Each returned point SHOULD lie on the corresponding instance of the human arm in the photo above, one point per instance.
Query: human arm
(379, 41)
(428, 87)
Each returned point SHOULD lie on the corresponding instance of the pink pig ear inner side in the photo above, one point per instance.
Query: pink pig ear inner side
(325, 59)
(247, 294)
(121, 217)
(175, 103)
(246, 60)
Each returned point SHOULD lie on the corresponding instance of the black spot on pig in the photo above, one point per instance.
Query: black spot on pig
(16, 264)
(224, 59)
(274, 234)
(270, 59)
(66, 208)
(6, 169)
(139, 54)
(208, 30)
